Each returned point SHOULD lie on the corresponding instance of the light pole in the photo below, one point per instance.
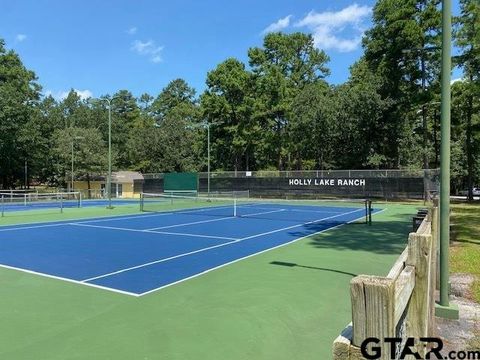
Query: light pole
(74, 138)
(445, 308)
(109, 175)
(26, 174)
(206, 125)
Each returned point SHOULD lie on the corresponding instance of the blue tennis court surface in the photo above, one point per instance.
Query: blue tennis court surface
(37, 205)
(139, 254)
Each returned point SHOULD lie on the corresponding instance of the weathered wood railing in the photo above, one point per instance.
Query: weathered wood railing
(399, 305)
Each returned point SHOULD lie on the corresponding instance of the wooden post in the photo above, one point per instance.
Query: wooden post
(380, 310)
(402, 302)
(373, 309)
(419, 256)
(359, 316)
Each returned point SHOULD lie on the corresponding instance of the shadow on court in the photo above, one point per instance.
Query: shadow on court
(382, 237)
(290, 264)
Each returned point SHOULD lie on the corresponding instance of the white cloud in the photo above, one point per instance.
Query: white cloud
(132, 30)
(60, 95)
(20, 37)
(453, 81)
(156, 59)
(148, 48)
(328, 27)
(84, 94)
(279, 25)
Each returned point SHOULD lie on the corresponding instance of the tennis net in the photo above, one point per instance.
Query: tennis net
(269, 209)
(245, 194)
(30, 201)
(189, 193)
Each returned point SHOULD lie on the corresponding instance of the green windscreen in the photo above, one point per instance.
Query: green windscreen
(180, 181)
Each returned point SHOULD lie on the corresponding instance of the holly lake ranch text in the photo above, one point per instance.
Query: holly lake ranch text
(326, 182)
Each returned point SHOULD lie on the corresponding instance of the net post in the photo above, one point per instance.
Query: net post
(79, 199)
(61, 203)
(234, 207)
(25, 199)
(141, 202)
(366, 211)
(3, 206)
(370, 212)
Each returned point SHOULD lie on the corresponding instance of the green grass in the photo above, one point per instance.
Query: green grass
(256, 308)
(465, 255)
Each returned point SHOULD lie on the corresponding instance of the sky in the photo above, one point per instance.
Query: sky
(100, 47)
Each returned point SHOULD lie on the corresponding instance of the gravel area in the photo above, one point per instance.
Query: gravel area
(462, 334)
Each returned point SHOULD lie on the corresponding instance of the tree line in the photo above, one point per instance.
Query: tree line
(277, 111)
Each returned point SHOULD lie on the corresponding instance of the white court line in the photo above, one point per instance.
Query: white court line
(298, 225)
(206, 249)
(105, 227)
(251, 255)
(156, 262)
(68, 222)
(190, 223)
(192, 235)
(263, 213)
(162, 213)
(318, 211)
(309, 208)
(151, 232)
(32, 227)
(43, 224)
(212, 220)
(169, 212)
(176, 282)
(68, 280)
(138, 216)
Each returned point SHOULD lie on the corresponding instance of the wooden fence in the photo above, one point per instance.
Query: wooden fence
(399, 305)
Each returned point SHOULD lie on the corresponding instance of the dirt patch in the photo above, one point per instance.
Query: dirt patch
(462, 334)
(462, 285)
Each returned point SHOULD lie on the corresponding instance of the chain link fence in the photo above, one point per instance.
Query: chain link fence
(382, 184)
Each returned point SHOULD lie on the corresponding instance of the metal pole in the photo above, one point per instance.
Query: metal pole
(208, 159)
(435, 141)
(424, 125)
(26, 174)
(109, 175)
(445, 153)
(72, 167)
(424, 116)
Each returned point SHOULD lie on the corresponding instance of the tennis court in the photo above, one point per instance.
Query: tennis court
(11, 202)
(175, 240)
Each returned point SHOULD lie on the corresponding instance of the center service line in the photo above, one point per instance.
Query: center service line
(208, 248)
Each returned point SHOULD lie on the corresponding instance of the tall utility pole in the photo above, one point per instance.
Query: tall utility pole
(424, 115)
(444, 308)
(208, 158)
(206, 125)
(72, 176)
(73, 160)
(26, 174)
(109, 175)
